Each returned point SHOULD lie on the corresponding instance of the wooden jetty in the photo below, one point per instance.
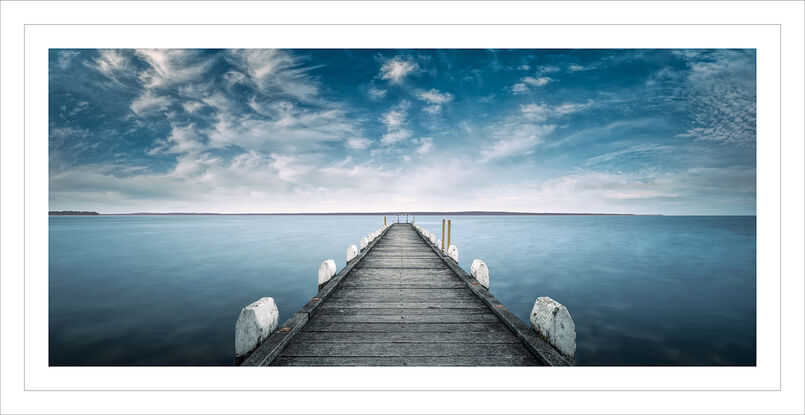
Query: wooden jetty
(403, 302)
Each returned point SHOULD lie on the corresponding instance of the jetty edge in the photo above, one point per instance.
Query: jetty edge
(404, 300)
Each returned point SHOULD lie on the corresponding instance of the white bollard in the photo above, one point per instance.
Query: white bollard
(432, 238)
(326, 271)
(553, 323)
(480, 272)
(452, 252)
(255, 323)
(352, 252)
(439, 243)
(364, 243)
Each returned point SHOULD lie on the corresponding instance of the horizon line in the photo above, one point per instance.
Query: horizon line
(387, 213)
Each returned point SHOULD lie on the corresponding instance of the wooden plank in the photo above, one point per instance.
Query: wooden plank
(373, 262)
(402, 311)
(428, 318)
(433, 285)
(367, 296)
(475, 361)
(406, 337)
(496, 327)
(401, 294)
(421, 292)
(409, 273)
(276, 342)
(469, 303)
(402, 349)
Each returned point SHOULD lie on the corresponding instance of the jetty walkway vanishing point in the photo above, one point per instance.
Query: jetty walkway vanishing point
(402, 300)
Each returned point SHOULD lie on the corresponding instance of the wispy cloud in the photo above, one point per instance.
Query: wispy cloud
(528, 82)
(396, 69)
(435, 98)
(377, 93)
(425, 144)
(541, 112)
(149, 103)
(276, 72)
(168, 66)
(65, 58)
(395, 136)
(541, 81)
(519, 140)
(114, 65)
(634, 152)
(358, 143)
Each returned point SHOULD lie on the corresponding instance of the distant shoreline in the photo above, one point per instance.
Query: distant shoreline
(460, 213)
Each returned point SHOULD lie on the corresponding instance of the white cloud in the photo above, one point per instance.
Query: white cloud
(168, 66)
(182, 139)
(542, 111)
(541, 81)
(376, 93)
(295, 130)
(523, 68)
(395, 137)
(234, 77)
(576, 67)
(394, 119)
(631, 153)
(548, 69)
(519, 140)
(276, 72)
(192, 106)
(530, 81)
(149, 103)
(519, 88)
(114, 65)
(65, 57)
(435, 98)
(396, 69)
(425, 144)
(358, 143)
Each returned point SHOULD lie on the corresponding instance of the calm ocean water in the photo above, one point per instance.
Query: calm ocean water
(166, 290)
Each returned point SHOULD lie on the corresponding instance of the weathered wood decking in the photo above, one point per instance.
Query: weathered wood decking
(401, 302)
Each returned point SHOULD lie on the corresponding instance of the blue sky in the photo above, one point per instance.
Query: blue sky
(610, 131)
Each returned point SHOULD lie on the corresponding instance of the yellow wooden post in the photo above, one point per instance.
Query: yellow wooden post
(448, 234)
(442, 235)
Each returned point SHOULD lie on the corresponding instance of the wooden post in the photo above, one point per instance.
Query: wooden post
(448, 234)
(384, 221)
(442, 235)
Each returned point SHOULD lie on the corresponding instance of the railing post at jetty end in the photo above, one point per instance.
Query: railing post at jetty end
(442, 240)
